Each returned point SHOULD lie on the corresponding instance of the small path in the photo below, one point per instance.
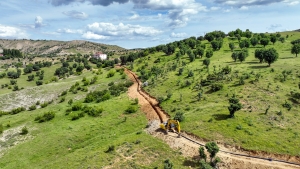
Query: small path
(155, 115)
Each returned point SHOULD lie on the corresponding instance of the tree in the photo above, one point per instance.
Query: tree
(199, 51)
(264, 41)
(238, 36)
(192, 57)
(273, 39)
(209, 53)
(270, 55)
(235, 55)
(212, 148)
(295, 49)
(242, 55)
(242, 44)
(234, 105)
(216, 44)
(254, 41)
(206, 62)
(202, 154)
(259, 54)
(231, 46)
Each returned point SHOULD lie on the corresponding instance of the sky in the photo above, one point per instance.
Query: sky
(141, 23)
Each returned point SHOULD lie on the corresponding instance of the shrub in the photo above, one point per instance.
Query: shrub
(216, 87)
(62, 99)
(33, 107)
(92, 111)
(45, 104)
(46, 117)
(76, 116)
(17, 110)
(76, 107)
(287, 105)
(24, 131)
(111, 148)
(64, 93)
(111, 73)
(131, 109)
(1, 128)
(179, 116)
(39, 82)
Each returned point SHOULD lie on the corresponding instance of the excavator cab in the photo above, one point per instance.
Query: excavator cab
(172, 125)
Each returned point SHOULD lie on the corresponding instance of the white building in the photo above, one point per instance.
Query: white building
(100, 55)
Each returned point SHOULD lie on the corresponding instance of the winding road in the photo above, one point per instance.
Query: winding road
(188, 144)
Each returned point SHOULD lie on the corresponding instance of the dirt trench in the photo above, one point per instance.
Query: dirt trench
(155, 115)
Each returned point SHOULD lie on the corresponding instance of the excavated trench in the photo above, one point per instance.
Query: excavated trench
(188, 144)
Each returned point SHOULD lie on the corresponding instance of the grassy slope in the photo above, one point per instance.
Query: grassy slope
(62, 143)
(208, 118)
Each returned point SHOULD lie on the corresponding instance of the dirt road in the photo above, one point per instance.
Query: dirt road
(156, 115)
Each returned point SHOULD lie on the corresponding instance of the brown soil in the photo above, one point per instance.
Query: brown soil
(155, 114)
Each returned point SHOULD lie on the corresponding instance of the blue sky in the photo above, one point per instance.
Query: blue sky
(141, 23)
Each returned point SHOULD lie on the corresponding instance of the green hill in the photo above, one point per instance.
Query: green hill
(202, 94)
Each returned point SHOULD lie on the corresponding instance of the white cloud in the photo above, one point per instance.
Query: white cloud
(121, 30)
(134, 16)
(38, 22)
(244, 8)
(291, 3)
(71, 31)
(240, 3)
(178, 35)
(8, 32)
(75, 14)
(91, 35)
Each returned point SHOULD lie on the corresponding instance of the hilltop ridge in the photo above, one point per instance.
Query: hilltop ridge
(54, 47)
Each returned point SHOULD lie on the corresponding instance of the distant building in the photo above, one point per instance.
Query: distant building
(100, 55)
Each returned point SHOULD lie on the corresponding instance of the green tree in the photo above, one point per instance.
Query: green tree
(254, 41)
(206, 62)
(273, 39)
(235, 56)
(242, 56)
(296, 49)
(202, 154)
(270, 55)
(264, 41)
(234, 105)
(212, 148)
(199, 51)
(209, 53)
(259, 54)
(231, 46)
(216, 44)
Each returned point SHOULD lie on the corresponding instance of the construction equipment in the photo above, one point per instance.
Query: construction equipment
(172, 125)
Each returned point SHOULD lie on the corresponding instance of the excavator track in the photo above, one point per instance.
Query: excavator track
(156, 107)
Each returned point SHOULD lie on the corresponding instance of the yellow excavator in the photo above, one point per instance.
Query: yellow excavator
(172, 125)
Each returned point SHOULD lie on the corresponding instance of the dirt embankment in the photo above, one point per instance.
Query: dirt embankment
(155, 115)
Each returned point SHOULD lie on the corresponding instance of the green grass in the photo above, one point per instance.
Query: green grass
(63, 143)
(208, 118)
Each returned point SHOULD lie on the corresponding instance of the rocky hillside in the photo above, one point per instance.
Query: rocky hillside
(51, 47)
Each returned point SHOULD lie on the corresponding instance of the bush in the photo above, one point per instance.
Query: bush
(45, 104)
(111, 73)
(179, 116)
(46, 117)
(287, 105)
(216, 87)
(33, 107)
(39, 82)
(64, 93)
(76, 107)
(131, 109)
(110, 149)
(24, 131)
(1, 128)
(92, 111)
(76, 116)
(17, 110)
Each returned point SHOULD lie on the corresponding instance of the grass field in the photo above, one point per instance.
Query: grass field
(276, 132)
(63, 143)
